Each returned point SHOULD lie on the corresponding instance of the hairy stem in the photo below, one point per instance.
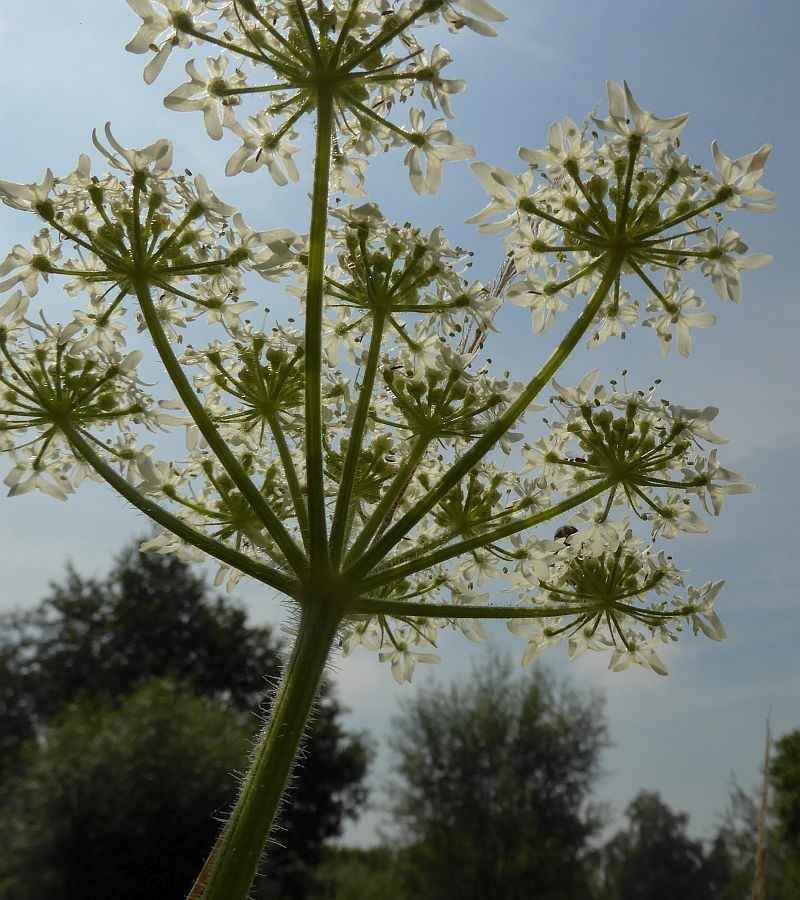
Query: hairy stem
(238, 853)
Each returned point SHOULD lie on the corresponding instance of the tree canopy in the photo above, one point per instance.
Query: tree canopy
(653, 858)
(102, 657)
(96, 810)
(494, 783)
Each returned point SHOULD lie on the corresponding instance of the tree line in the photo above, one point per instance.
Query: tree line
(113, 690)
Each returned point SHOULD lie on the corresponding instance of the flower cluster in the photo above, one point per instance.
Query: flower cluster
(54, 386)
(619, 597)
(374, 445)
(628, 202)
(595, 582)
(646, 451)
(363, 55)
(145, 247)
(142, 225)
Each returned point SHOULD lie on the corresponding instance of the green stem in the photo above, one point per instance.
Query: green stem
(424, 560)
(293, 553)
(402, 609)
(292, 480)
(342, 517)
(305, 24)
(388, 34)
(634, 143)
(381, 548)
(390, 500)
(241, 847)
(668, 223)
(318, 541)
(226, 45)
(251, 567)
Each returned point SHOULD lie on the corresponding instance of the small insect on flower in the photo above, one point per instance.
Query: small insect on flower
(565, 533)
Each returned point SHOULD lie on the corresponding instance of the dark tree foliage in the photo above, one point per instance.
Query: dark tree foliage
(494, 778)
(738, 832)
(654, 858)
(15, 713)
(358, 873)
(95, 643)
(100, 808)
(151, 616)
(785, 781)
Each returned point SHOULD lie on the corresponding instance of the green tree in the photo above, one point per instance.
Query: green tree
(150, 617)
(654, 858)
(358, 873)
(785, 781)
(96, 811)
(738, 833)
(97, 642)
(494, 784)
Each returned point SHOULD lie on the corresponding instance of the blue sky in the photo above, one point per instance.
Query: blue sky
(734, 67)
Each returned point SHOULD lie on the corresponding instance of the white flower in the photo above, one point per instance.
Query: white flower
(697, 422)
(584, 393)
(176, 23)
(347, 176)
(49, 479)
(728, 261)
(227, 311)
(29, 264)
(712, 492)
(616, 318)
(26, 196)
(543, 307)
(263, 147)
(641, 653)
(539, 635)
(700, 602)
(677, 317)
(361, 633)
(270, 253)
(429, 149)
(214, 210)
(677, 517)
(505, 190)
(157, 155)
(12, 312)
(403, 657)
(742, 175)
(202, 93)
(156, 475)
(627, 118)
(108, 336)
(437, 89)
(482, 14)
(564, 142)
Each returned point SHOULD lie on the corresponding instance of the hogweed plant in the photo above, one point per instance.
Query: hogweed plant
(365, 466)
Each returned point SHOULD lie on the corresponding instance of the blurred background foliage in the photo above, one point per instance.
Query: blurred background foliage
(129, 703)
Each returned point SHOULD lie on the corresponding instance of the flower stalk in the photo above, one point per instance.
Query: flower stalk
(238, 854)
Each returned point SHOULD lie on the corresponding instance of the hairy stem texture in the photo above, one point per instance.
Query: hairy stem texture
(245, 835)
